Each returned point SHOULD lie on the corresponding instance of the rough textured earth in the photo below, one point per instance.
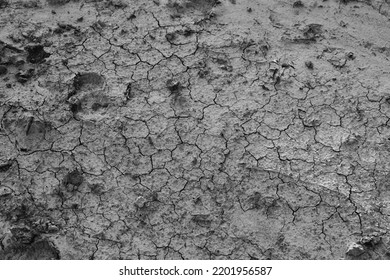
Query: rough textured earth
(194, 129)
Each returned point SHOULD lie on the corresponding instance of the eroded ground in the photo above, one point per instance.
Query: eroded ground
(194, 129)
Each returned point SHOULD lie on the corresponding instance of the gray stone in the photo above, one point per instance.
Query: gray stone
(140, 202)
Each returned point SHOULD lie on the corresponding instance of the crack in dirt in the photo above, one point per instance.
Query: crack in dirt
(194, 130)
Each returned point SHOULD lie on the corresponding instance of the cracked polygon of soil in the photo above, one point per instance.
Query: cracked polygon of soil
(194, 130)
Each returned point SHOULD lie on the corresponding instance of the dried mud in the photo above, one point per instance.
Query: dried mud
(194, 129)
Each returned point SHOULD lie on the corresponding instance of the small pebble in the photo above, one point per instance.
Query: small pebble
(140, 202)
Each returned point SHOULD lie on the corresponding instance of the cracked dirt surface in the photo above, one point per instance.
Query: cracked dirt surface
(194, 129)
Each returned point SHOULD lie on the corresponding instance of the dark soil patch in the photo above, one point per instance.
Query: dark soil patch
(38, 250)
(36, 54)
(87, 79)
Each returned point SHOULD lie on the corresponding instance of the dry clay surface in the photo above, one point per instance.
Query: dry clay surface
(194, 129)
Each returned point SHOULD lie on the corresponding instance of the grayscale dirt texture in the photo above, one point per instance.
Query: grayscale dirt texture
(194, 129)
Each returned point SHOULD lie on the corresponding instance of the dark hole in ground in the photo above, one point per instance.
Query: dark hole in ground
(36, 54)
(309, 65)
(4, 167)
(298, 4)
(57, 2)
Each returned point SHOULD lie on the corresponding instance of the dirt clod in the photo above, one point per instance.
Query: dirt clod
(140, 202)
(355, 250)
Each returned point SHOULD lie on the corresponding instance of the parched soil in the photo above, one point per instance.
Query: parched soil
(194, 129)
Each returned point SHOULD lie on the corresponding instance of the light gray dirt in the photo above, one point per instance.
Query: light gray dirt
(194, 129)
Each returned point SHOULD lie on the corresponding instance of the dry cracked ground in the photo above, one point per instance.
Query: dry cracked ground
(194, 129)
